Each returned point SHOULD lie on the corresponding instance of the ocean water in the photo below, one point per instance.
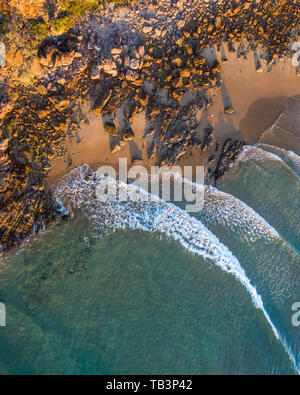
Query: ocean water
(148, 288)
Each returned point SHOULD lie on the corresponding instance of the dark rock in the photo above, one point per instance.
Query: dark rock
(101, 100)
(207, 138)
(70, 161)
(127, 133)
(228, 110)
(231, 150)
(65, 43)
(110, 128)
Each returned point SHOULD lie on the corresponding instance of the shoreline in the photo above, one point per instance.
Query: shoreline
(179, 64)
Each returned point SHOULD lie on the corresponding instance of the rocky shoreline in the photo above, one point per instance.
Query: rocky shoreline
(148, 56)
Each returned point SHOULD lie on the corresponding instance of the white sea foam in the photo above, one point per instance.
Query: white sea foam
(221, 208)
(290, 154)
(78, 190)
(264, 152)
(256, 154)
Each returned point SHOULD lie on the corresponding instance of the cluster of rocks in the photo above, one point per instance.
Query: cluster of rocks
(5, 164)
(151, 58)
(146, 57)
(230, 152)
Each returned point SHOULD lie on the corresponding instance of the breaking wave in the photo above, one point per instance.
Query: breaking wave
(270, 186)
(78, 190)
(289, 157)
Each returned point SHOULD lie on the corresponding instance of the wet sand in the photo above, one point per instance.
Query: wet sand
(257, 99)
(285, 132)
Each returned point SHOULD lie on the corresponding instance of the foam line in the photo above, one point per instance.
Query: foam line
(289, 157)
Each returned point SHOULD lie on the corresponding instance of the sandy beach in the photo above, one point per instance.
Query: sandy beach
(187, 262)
(257, 98)
(157, 82)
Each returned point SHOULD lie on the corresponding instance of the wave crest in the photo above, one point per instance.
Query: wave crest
(77, 190)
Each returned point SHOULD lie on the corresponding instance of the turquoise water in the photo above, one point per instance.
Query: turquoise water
(130, 288)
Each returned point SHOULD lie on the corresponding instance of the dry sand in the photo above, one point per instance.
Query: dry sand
(258, 98)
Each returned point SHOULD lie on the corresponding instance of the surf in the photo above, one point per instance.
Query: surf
(264, 182)
(77, 190)
(289, 157)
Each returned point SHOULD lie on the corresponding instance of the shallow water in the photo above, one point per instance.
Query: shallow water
(148, 288)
